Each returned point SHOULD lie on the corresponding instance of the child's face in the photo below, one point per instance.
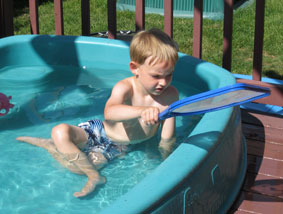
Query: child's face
(155, 76)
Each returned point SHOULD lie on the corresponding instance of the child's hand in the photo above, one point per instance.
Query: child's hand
(166, 146)
(150, 115)
(164, 152)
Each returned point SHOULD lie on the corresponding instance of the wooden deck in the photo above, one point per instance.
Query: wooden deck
(262, 191)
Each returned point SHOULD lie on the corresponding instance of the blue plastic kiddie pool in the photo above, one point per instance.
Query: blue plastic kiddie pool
(55, 79)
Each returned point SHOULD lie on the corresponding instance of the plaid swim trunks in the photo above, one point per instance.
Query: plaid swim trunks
(99, 142)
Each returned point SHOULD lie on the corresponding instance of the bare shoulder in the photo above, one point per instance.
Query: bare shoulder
(121, 92)
(123, 86)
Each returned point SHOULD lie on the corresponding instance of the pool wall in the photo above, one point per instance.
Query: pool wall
(204, 174)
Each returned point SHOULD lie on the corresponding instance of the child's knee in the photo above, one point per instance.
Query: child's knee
(60, 132)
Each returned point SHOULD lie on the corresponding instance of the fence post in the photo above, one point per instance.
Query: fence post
(33, 14)
(258, 40)
(197, 34)
(140, 15)
(85, 15)
(112, 22)
(6, 18)
(58, 13)
(227, 34)
(168, 17)
(2, 30)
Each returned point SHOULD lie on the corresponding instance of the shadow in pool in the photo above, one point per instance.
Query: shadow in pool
(49, 49)
(22, 118)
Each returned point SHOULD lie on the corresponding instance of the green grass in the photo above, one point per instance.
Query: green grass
(243, 31)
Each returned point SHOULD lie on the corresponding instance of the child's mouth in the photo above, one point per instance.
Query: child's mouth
(159, 90)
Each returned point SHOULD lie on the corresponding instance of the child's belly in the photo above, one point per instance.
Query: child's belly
(130, 132)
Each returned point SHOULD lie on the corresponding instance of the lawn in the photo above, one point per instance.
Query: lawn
(243, 31)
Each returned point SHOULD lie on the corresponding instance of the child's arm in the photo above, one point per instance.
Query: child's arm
(117, 110)
(168, 138)
(168, 135)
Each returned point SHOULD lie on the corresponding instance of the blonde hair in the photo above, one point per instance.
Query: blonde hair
(153, 43)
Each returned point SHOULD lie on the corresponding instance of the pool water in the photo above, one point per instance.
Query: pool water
(31, 180)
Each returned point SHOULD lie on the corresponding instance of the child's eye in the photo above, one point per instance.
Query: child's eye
(155, 76)
(169, 76)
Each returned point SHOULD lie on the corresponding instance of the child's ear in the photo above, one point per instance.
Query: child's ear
(134, 67)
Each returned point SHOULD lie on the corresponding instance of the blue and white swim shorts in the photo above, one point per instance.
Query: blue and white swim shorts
(99, 142)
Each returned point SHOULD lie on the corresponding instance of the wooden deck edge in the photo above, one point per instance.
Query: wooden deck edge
(262, 190)
(262, 119)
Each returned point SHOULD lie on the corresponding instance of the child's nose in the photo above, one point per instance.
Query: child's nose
(162, 81)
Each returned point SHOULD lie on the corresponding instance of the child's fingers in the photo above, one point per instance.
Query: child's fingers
(150, 116)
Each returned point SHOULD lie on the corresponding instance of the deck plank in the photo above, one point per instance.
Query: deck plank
(262, 191)
(263, 184)
(268, 150)
(265, 166)
(265, 134)
(258, 203)
(261, 119)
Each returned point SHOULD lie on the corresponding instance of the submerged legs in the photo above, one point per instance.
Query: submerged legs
(63, 148)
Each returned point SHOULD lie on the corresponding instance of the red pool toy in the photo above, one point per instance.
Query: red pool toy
(5, 104)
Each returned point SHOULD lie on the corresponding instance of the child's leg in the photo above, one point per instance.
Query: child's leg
(97, 159)
(81, 161)
(63, 148)
(51, 148)
(66, 138)
(40, 142)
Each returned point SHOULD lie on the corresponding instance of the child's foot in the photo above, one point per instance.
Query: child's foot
(90, 186)
(40, 142)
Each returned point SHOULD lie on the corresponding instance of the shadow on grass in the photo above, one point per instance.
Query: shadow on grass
(22, 6)
(273, 74)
